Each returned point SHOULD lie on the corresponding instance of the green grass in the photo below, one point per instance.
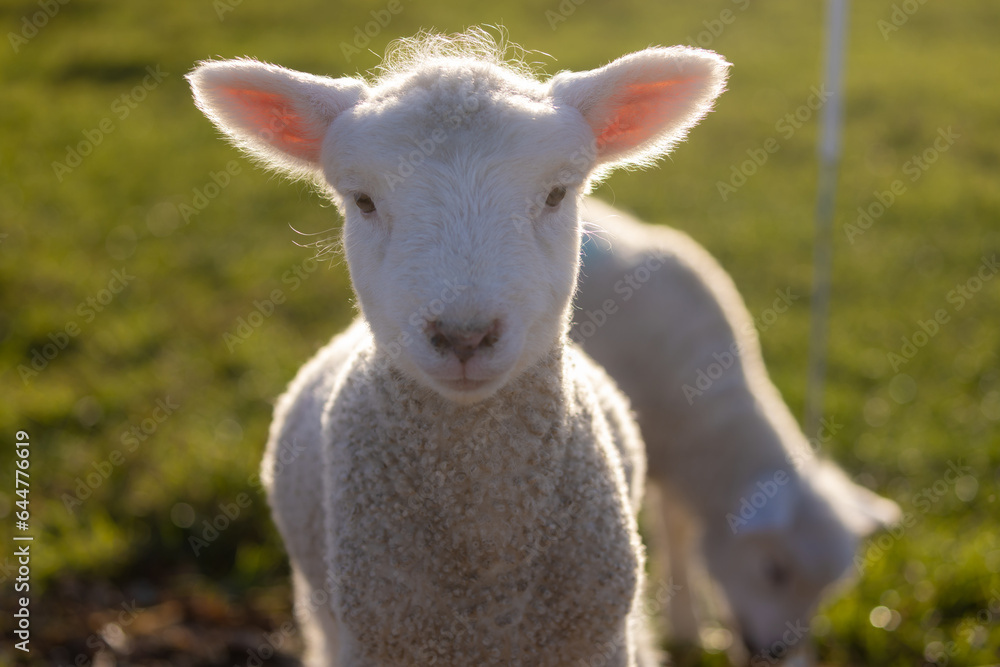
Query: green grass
(162, 336)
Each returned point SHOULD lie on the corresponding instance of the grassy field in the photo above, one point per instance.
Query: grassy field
(156, 296)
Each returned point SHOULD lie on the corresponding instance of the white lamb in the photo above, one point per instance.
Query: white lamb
(727, 459)
(455, 484)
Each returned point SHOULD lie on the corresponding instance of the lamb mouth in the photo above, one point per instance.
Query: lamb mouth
(465, 384)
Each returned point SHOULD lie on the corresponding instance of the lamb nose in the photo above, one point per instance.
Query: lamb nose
(463, 340)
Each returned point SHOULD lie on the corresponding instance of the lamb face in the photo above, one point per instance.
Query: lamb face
(461, 221)
(459, 178)
(776, 567)
(774, 576)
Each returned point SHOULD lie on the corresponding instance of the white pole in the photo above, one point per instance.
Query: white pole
(829, 155)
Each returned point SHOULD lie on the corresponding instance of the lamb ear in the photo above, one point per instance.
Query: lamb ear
(640, 105)
(863, 510)
(277, 115)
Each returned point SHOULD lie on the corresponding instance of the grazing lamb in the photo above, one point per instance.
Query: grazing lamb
(455, 483)
(725, 455)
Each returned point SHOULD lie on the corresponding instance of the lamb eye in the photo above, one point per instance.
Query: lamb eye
(555, 196)
(364, 203)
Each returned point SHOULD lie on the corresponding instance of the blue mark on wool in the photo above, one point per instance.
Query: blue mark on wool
(594, 249)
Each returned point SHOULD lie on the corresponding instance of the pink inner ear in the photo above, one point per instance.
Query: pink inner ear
(276, 121)
(643, 110)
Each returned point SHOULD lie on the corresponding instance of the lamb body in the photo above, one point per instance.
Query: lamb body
(454, 482)
(509, 523)
(730, 467)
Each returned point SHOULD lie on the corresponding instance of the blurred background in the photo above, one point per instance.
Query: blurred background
(159, 291)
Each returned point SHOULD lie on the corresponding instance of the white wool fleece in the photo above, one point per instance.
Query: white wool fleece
(501, 533)
(524, 529)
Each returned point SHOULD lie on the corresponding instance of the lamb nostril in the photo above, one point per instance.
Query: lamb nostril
(440, 341)
(492, 336)
(463, 341)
